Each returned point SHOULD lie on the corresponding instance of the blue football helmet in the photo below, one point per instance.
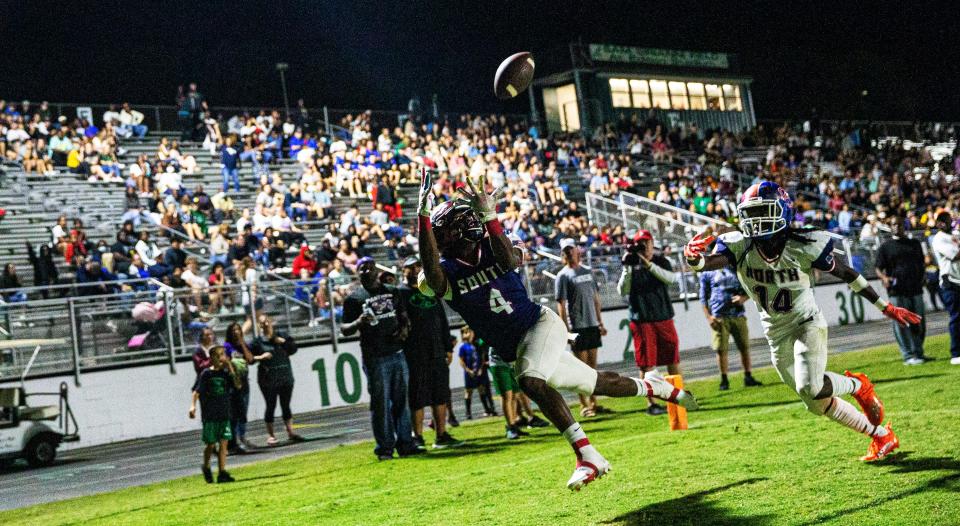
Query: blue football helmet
(765, 209)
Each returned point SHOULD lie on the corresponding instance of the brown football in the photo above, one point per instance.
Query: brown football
(514, 75)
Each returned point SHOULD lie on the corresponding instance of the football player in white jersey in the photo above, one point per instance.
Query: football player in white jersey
(775, 264)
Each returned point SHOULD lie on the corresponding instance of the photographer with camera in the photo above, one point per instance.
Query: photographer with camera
(722, 298)
(645, 281)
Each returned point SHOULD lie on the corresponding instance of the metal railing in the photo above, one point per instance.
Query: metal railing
(101, 331)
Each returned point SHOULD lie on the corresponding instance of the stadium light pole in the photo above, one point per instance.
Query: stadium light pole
(283, 67)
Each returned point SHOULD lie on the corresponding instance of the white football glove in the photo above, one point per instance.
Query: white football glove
(483, 204)
(425, 202)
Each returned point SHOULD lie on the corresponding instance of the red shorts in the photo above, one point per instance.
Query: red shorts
(655, 343)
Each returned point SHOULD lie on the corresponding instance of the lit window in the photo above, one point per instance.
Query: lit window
(659, 95)
(678, 96)
(698, 98)
(714, 98)
(620, 93)
(731, 97)
(641, 93)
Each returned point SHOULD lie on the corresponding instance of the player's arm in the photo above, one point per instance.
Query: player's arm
(699, 260)
(429, 253)
(859, 284)
(599, 309)
(560, 294)
(484, 205)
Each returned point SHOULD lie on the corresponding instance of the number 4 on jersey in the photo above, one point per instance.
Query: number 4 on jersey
(782, 301)
(498, 304)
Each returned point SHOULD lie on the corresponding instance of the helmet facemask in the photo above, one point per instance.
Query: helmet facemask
(454, 222)
(761, 218)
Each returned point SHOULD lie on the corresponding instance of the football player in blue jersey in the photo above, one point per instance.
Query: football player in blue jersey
(469, 261)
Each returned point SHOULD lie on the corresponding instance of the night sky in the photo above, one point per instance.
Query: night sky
(354, 54)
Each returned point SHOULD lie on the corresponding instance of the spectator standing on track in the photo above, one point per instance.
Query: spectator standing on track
(722, 298)
(201, 357)
(212, 389)
(474, 363)
(377, 312)
(272, 351)
(645, 281)
(428, 351)
(946, 248)
(242, 357)
(900, 265)
(578, 304)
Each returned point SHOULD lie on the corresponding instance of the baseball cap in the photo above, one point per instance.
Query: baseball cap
(643, 235)
(411, 261)
(567, 242)
(364, 260)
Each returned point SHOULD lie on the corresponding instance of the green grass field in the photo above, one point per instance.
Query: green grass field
(750, 457)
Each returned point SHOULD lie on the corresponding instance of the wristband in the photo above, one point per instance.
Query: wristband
(698, 266)
(881, 304)
(424, 222)
(494, 227)
(858, 284)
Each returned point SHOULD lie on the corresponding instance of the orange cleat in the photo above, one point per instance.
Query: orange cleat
(867, 398)
(881, 446)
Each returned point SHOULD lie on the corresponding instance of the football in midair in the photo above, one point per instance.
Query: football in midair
(514, 75)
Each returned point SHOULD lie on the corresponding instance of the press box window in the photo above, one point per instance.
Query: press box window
(659, 95)
(731, 97)
(640, 90)
(678, 96)
(698, 97)
(714, 97)
(620, 93)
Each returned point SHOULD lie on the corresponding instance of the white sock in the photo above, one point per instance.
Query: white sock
(843, 412)
(581, 444)
(843, 384)
(657, 387)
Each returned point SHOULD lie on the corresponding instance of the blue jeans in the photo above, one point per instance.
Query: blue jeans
(139, 130)
(951, 303)
(219, 258)
(910, 338)
(387, 379)
(228, 174)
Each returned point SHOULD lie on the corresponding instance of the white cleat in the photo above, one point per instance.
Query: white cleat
(586, 472)
(687, 401)
(684, 399)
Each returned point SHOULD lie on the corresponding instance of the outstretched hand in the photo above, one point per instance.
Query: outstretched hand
(425, 201)
(901, 315)
(695, 249)
(481, 202)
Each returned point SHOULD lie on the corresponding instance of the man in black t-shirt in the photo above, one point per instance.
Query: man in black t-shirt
(900, 265)
(376, 311)
(428, 351)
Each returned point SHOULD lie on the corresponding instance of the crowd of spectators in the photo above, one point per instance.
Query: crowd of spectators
(348, 185)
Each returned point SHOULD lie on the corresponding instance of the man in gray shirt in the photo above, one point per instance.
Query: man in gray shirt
(578, 304)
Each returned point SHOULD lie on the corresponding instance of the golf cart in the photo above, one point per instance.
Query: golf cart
(29, 430)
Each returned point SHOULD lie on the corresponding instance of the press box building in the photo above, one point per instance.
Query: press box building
(608, 81)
